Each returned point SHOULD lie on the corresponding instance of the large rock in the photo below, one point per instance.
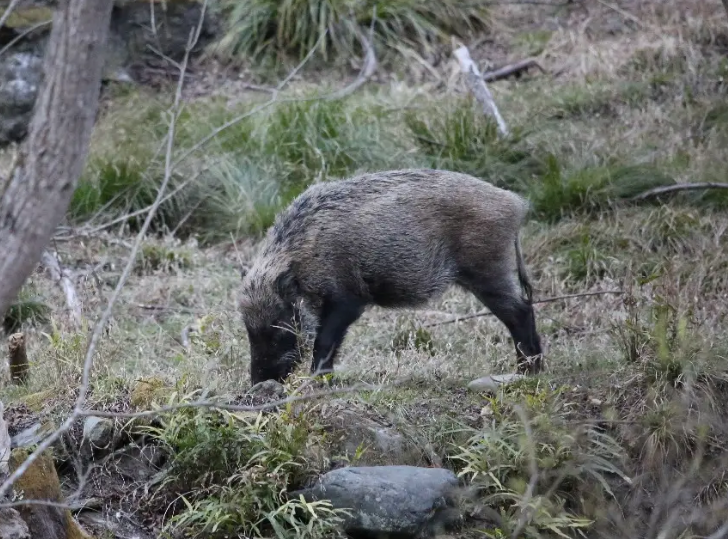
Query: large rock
(401, 501)
(98, 433)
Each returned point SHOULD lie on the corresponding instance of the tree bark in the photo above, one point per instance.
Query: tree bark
(52, 158)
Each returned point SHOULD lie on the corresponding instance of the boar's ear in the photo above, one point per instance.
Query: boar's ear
(243, 271)
(287, 286)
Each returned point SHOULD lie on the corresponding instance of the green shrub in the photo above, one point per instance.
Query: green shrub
(590, 189)
(233, 472)
(293, 27)
(28, 307)
(577, 468)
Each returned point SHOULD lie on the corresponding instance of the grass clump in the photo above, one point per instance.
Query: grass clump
(251, 462)
(27, 308)
(577, 468)
(592, 188)
(293, 27)
(463, 139)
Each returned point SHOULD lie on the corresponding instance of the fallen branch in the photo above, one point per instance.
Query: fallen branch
(478, 87)
(545, 300)
(64, 276)
(679, 187)
(369, 66)
(512, 69)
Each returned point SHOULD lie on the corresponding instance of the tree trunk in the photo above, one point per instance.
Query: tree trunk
(52, 158)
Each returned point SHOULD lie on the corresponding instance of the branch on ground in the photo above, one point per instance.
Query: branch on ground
(513, 69)
(478, 87)
(679, 187)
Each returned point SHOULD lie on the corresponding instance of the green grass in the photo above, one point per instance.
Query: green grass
(251, 462)
(294, 27)
(630, 409)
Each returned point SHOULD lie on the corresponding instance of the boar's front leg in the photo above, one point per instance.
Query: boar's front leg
(336, 317)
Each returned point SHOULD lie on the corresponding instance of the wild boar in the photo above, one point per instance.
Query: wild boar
(395, 239)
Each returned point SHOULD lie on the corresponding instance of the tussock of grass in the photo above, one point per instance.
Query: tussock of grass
(577, 467)
(251, 462)
(265, 27)
(592, 189)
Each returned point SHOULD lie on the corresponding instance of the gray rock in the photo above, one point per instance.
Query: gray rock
(352, 430)
(12, 526)
(20, 77)
(98, 432)
(136, 463)
(492, 382)
(268, 389)
(403, 501)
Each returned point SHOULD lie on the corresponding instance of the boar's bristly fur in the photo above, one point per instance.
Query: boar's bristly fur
(392, 239)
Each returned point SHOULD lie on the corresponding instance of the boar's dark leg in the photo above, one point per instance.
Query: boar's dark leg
(505, 302)
(336, 317)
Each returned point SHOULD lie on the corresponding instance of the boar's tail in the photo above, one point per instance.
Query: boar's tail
(522, 273)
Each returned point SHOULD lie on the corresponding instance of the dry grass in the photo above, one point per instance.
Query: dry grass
(633, 86)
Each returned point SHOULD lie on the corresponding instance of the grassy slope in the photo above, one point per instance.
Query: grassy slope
(632, 101)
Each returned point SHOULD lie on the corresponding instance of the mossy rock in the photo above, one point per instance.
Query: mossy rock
(147, 392)
(40, 482)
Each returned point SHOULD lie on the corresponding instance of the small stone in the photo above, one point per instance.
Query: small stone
(595, 402)
(98, 432)
(492, 382)
(268, 390)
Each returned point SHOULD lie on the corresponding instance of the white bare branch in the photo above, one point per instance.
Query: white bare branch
(65, 278)
(478, 87)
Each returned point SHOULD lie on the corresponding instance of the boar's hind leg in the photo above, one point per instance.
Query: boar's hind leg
(336, 317)
(506, 303)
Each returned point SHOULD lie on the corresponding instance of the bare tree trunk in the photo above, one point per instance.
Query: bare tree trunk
(53, 156)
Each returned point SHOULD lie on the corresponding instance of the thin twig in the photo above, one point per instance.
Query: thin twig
(369, 65)
(545, 300)
(679, 187)
(78, 408)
